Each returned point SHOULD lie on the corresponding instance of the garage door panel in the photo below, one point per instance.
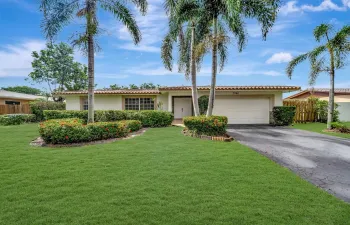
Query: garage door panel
(243, 110)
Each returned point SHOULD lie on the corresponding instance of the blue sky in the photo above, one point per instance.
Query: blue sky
(120, 62)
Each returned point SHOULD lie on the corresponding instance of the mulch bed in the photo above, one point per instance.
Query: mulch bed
(39, 142)
(226, 138)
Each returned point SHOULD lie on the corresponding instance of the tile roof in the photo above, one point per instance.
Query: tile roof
(323, 90)
(126, 91)
(238, 88)
(16, 95)
(182, 88)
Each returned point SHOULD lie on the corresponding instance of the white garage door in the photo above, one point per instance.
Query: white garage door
(240, 110)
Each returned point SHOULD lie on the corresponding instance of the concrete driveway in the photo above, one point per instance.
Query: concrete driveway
(321, 159)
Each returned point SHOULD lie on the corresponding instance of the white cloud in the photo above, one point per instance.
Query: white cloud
(15, 60)
(326, 5)
(280, 57)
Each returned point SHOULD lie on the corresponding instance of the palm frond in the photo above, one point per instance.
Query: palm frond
(292, 64)
(142, 5)
(315, 53)
(167, 52)
(236, 25)
(322, 31)
(169, 6)
(57, 14)
(317, 67)
(123, 14)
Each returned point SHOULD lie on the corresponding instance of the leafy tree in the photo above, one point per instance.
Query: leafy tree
(133, 86)
(116, 87)
(230, 14)
(55, 66)
(328, 57)
(59, 13)
(149, 86)
(24, 89)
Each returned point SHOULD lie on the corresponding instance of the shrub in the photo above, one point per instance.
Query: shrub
(322, 111)
(211, 126)
(203, 104)
(66, 114)
(340, 127)
(16, 119)
(283, 115)
(106, 130)
(37, 108)
(153, 118)
(66, 131)
(133, 125)
(148, 118)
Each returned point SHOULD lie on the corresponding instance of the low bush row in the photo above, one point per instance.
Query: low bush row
(148, 118)
(66, 131)
(202, 125)
(283, 115)
(16, 119)
(340, 127)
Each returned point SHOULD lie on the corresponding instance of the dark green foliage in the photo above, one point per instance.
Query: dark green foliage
(55, 65)
(24, 90)
(66, 131)
(341, 127)
(38, 107)
(283, 115)
(133, 125)
(203, 104)
(322, 110)
(148, 118)
(202, 125)
(16, 119)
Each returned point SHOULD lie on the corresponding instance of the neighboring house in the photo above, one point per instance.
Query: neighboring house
(241, 104)
(341, 97)
(14, 98)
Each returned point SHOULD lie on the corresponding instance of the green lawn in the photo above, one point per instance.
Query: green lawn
(161, 178)
(319, 128)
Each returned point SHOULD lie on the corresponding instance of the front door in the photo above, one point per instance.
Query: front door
(182, 107)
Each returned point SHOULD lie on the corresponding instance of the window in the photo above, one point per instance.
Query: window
(139, 104)
(85, 104)
(12, 103)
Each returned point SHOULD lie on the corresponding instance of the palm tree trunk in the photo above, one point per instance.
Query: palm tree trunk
(91, 63)
(331, 101)
(193, 74)
(214, 70)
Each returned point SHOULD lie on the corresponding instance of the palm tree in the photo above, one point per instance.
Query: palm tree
(230, 13)
(185, 12)
(58, 13)
(328, 57)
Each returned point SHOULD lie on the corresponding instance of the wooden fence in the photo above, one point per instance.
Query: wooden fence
(305, 110)
(15, 109)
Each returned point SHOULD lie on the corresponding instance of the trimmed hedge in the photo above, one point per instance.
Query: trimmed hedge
(67, 131)
(16, 119)
(37, 108)
(148, 118)
(202, 125)
(283, 115)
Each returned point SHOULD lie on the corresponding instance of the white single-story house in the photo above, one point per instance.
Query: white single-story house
(14, 98)
(241, 104)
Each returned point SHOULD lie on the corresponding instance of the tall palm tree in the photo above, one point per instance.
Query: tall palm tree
(231, 13)
(183, 12)
(58, 13)
(327, 57)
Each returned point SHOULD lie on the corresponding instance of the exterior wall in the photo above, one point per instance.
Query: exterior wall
(163, 99)
(22, 101)
(108, 102)
(72, 102)
(324, 96)
(344, 111)
(276, 98)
